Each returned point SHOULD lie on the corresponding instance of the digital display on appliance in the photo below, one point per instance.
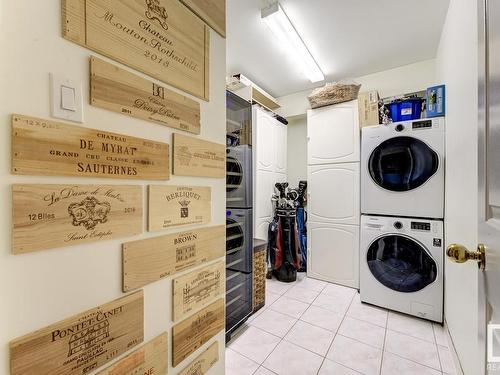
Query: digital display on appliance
(421, 124)
(420, 226)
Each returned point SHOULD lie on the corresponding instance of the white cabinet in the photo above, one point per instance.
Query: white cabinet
(333, 134)
(280, 136)
(269, 143)
(269, 150)
(264, 187)
(264, 145)
(333, 193)
(333, 253)
(333, 205)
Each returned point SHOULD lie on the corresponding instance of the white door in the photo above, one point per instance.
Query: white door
(472, 296)
(333, 193)
(264, 144)
(489, 186)
(333, 253)
(281, 146)
(333, 134)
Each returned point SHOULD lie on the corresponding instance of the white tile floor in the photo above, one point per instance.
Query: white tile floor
(313, 327)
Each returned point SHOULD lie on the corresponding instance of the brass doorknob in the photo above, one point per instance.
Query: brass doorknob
(459, 254)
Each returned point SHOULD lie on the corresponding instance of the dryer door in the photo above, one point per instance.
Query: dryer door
(400, 263)
(402, 164)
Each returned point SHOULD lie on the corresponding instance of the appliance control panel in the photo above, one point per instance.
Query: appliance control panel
(416, 225)
(424, 124)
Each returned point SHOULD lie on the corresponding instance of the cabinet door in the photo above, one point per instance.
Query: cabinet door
(333, 134)
(264, 189)
(264, 145)
(261, 228)
(333, 253)
(333, 193)
(281, 132)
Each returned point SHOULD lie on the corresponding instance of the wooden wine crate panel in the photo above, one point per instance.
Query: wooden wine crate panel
(120, 91)
(190, 334)
(213, 12)
(149, 359)
(161, 38)
(149, 260)
(197, 288)
(48, 216)
(50, 148)
(82, 343)
(203, 362)
(178, 205)
(197, 157)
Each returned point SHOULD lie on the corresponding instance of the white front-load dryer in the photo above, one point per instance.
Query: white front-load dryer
(402, 169)
(401, 265)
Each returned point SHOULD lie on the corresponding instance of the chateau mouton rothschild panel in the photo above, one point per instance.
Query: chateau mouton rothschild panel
(178, 205)
(150, 359)
(50, 148)
(48, 216)
(161, 38)
(118, 90)
(149, 260)
(82, 343)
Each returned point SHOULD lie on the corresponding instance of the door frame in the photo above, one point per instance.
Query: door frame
(483, 119)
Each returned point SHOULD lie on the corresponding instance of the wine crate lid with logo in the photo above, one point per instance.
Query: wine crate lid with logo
(161, 38)
(171, 206)
(48, 216)
(83, 342)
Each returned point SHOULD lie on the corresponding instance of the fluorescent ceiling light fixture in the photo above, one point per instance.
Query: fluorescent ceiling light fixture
(282, 28)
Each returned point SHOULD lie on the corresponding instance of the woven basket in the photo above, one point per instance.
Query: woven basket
(333, 93)
(259, 279)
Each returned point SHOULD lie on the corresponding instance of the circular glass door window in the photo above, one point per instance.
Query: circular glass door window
(402, 164)
(234, 174)
(401, 263)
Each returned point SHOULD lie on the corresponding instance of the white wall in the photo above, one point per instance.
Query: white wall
(41, 288)
(456, 66)
(297, 150)
(408, 78)
(401, 80)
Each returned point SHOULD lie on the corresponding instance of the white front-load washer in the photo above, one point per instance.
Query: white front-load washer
(402, 168)
(401, 265)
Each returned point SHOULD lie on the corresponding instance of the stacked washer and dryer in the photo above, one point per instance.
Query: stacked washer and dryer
(402, 206)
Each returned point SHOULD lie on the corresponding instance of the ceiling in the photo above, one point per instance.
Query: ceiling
(347, 38)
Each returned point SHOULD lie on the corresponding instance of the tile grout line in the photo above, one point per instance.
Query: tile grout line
(437, 349)
(383, 345)
(335, 336)
(281, 338)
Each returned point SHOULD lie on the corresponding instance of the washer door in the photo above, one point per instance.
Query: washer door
(401, 263)
(402, 164)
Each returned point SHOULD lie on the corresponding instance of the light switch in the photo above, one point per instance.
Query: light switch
(68, 98)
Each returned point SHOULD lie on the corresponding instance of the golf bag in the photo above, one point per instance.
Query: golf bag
(284, 254)
(302, 225)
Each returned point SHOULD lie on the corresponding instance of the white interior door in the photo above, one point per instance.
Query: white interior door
(333, 193)
(333, 253)
(489, 184)
(333, 134)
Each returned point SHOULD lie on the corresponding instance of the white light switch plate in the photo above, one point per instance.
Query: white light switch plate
(65, 103)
